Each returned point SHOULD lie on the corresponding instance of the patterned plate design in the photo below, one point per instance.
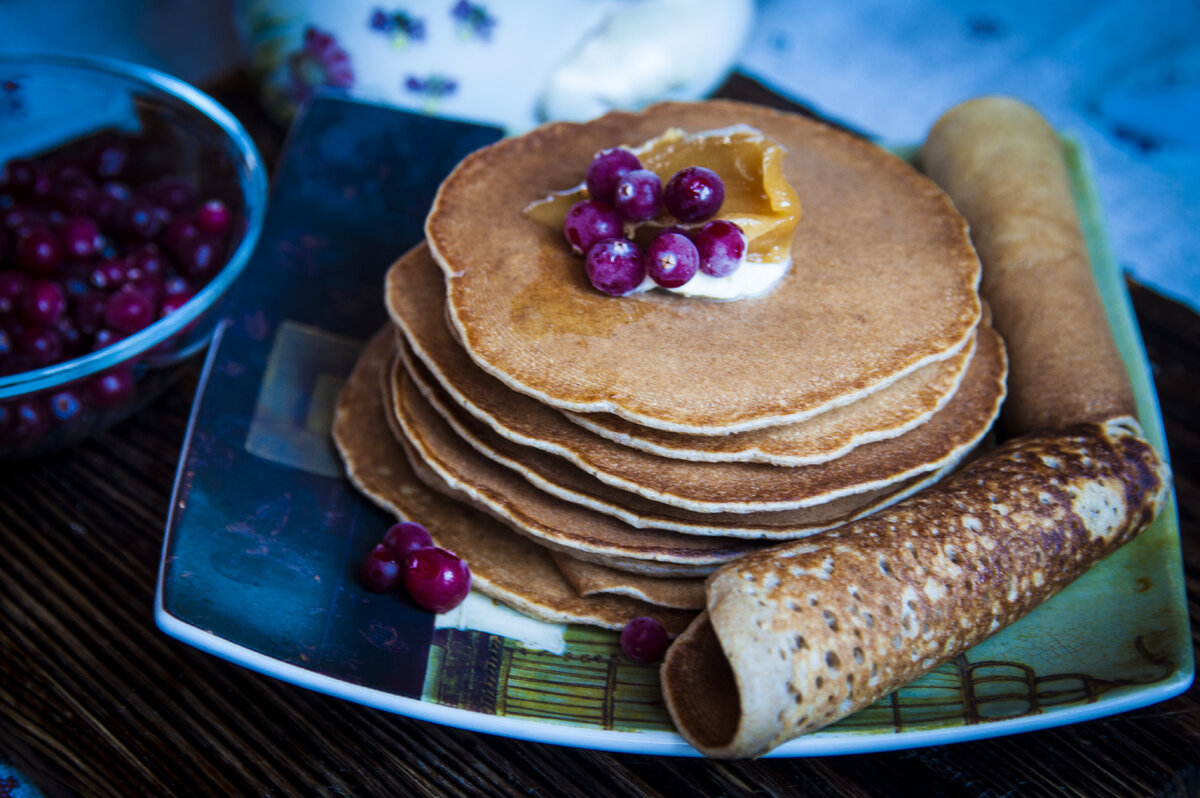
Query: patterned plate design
(261, 549)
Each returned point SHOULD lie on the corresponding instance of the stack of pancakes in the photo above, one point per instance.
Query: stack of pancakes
(635, 444)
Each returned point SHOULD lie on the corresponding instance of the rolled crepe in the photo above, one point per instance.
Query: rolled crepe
(1003, 167)
(798, 636)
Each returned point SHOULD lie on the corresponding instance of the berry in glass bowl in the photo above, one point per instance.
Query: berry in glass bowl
(98, 311)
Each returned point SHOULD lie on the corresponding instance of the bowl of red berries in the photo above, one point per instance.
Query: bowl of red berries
(129, 204)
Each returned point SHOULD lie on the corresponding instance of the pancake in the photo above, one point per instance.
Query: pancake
(590, 579)
(570, 483)
(801, 635)
(504, 565)
(553, 523)
(415, 292)
(1003, 165)
(882, 267)
(701, 487)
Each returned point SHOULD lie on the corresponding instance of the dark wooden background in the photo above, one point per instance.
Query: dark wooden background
(95, 700)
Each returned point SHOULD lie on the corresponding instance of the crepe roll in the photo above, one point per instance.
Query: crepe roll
(795, 637)
(1003, 166)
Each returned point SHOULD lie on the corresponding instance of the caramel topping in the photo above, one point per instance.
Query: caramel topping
(757, 196)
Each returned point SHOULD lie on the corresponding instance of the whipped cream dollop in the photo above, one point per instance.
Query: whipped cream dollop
(752, 278)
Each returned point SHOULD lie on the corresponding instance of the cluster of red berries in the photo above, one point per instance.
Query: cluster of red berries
(437, 579)
(623, 194)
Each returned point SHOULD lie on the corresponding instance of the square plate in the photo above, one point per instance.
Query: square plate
(265, 534)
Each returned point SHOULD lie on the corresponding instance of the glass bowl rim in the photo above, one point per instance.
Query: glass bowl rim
(254, 187)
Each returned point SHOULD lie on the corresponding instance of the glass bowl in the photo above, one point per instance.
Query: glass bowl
(137, 134)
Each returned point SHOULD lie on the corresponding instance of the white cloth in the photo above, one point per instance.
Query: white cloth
(1123, 75)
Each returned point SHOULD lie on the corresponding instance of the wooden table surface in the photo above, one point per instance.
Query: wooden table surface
(95, 700)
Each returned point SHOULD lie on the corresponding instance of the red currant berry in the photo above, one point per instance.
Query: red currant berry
(588, 222)
(614, 266)
(436, 579)
(606, 168)
(644, 640)
(381, 572)
(694, 194)
(406, 537)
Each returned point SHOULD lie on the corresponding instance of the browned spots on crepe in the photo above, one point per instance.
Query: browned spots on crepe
(815, 630)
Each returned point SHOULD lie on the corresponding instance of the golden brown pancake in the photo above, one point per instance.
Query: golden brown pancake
(706, 487)
(882, 268)
(570, 483)
(552, 522)
(592, 579)
(415, 292)
(504, 565)
(1003, 165)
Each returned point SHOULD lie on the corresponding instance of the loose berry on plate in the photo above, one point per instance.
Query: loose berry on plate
(589, 222)
(693, 194)
(644, 640)
(436, 579)
(381, 570)
(722, 246)
(606, 169)
(615, 266)
(638, 195)
(406, 537)
(672, 259)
